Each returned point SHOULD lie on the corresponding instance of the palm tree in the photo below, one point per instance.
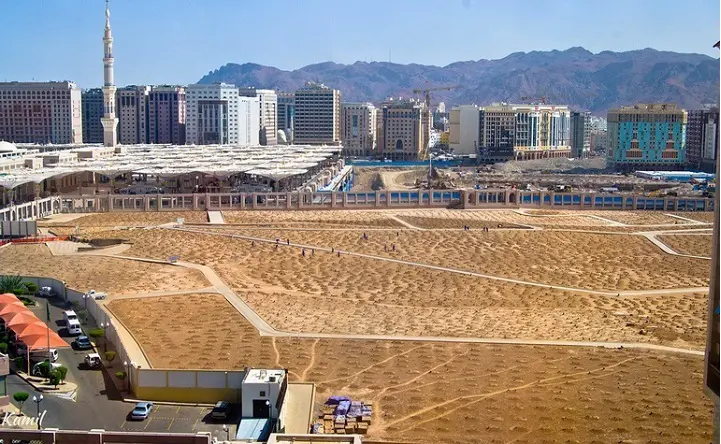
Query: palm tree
(12, 284)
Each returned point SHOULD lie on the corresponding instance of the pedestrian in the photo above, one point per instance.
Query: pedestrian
(312, 251)
(398, 233)
(303, 252)
(332, 249)
(288, 241)
(277, 240)
(385, 248)
(252, 243)
(394, 247)
(276, 246)
(338, 253)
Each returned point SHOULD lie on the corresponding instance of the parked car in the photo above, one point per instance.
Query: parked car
(42, 355)
(92, 360)
(141, 410)
(96, 295)
(73, 327)
(36, 371)
(221, 410)
(82, 343)
(46, 292)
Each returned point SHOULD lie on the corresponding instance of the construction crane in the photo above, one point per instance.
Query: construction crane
(535, 99)
(427, 91)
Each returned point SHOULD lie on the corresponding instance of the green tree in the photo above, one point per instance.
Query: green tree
(120, 375)
(31, 288)
(12, 284)
(4, 348)
(20, 398)
(96, 333)
(62, 372)
(44, 368)
(109, 356)
(55, 378)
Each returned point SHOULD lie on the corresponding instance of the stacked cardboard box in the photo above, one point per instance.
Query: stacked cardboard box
(355, 421)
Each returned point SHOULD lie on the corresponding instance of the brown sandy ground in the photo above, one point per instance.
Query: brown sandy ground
(450, 393)
(582, 260)
(132, 219)
(324, 293)
(696, 245)
(701, 216)
(320, 218)
(110, 275)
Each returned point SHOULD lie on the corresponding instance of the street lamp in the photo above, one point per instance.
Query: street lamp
(227, 432)
(37, 400)
(105, 325)
(85, 300)
(128, 373)
(270, 412)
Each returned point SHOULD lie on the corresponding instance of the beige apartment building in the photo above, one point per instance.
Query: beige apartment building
(317, 115)
(41, 112)
(132, 113)
(358, 121)
(403, 127)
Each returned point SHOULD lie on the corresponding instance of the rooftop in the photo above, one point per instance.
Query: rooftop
(258, 376)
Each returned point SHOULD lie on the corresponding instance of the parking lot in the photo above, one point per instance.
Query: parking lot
(180, 419)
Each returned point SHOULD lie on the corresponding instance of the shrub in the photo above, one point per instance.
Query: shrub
(44, 368)
(96, 333)
(120, 375)
(62, 372)
(4, 348)
(12, 284)
(20, 398)
(109, 356)
(55, 378)
(83, 316)
(26, 300)
(31, 288)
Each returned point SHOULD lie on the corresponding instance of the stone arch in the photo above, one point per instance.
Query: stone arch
(399, 145)
(512, 198)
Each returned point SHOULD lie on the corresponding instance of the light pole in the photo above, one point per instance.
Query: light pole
(85, 300)
(227, 432)
(128, 374)
(37, 400)
(105, 325)
(270, 413)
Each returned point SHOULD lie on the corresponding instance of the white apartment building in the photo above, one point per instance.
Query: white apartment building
(358, 123)
(215, 115)
(464, 129)
(131, 109)
(268, 119)
(317, 115)
(41, 112)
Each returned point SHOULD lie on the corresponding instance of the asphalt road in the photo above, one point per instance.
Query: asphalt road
(97, 404)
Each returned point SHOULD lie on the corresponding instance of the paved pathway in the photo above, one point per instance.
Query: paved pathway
(651, 236)
(404, 223)
(216, 217)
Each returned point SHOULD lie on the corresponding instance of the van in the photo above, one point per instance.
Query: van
(92, 360)
(73, 327)
(69, 316)
(41, 355)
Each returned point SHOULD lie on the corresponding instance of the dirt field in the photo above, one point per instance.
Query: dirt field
(696, 245)
(321, 219)
(84, 273)
(132, 219)
(450, 393)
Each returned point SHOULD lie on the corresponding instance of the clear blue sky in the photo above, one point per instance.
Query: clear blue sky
(178, 41)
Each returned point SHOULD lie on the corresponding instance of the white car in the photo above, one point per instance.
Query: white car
(45, 292)
(96, 295)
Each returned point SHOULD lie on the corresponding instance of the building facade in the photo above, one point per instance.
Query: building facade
(463, 126)
(286, 113)
(49, 112)
(92, 110)
(702, 139)
(268, 115)
(358, 122)
(402, 130)
(132, 112)
(542, 131)
(496, 133)
(580, 134)
(647, 136)
(317, 115)
(217, 114)
(166, 115)
(599, 142)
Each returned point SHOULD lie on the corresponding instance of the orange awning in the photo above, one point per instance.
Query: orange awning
(12, 308)
(21, 319)
(35, 341)
(37, 328)
(8, 297)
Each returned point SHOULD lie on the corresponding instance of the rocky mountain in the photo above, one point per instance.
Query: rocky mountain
(576, 77)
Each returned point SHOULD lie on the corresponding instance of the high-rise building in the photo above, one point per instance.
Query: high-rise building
(48, 112)
(580, 134)
(166, 115)
(317, 115)
(649, 136)
(463, 125)
(286, 113)
(109, 121)
(599, 142)
(358, 123)
(702, 138)
(132, 113)
(496, 133)
(268, 119)
(217, 114)
(92, 107)
(403, 130)
(541, 131)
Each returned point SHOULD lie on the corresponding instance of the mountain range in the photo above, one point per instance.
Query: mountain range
(575, 77)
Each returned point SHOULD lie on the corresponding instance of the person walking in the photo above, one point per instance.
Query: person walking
(288, 241)
(302, 252)
(393, 246)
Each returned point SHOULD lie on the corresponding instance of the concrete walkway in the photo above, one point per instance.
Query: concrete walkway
(404, 223)
(216, 217)
(651, 236)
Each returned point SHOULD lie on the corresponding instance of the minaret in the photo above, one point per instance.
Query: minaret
(109, 121)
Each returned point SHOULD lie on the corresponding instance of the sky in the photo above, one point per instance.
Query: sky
(179, 41)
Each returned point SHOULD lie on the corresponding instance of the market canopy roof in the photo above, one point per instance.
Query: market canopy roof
(11, 309)
(38, 327)
(8, 298)
(44, 340)
(21, 319)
